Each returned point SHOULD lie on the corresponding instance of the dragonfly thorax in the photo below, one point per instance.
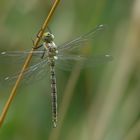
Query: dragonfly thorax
(50, 50)
(49, 45)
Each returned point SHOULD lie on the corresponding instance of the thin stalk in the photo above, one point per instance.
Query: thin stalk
(27, 61)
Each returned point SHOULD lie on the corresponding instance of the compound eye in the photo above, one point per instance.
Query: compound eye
(47, 34)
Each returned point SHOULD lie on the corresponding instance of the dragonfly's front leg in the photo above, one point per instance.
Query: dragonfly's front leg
(43, 54)
(38, 47)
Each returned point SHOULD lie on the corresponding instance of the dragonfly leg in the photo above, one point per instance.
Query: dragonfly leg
(38, 47)
(43, 54)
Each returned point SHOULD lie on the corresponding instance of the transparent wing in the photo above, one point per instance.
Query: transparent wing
(34, 70)
(81, 39)
(66, 62)
(19, 53)
(18, 56)
(39, 72)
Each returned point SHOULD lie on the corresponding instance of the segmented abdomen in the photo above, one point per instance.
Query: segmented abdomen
(53, 95)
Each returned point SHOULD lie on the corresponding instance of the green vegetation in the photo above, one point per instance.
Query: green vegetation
(99, 103)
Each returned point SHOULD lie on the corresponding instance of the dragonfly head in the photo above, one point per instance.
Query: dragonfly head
(48, 37)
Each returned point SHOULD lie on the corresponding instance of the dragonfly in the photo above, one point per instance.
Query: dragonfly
(49, 54)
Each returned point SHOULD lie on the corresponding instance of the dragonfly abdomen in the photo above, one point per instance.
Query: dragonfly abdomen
(53, 95)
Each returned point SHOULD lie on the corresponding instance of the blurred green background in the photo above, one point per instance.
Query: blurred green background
(100, 103)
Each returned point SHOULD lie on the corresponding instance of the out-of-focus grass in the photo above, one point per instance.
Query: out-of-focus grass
(100, 103)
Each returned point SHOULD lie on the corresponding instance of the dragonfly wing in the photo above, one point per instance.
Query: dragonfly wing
(81, 39)
(38, 72)
(66, 62)
(18, 56)
(28, 73)
(19, 53)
